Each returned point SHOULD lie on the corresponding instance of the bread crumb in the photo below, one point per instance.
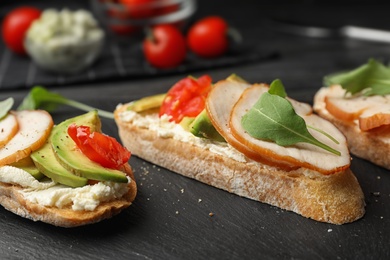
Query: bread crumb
(376, 193)
(199, 200)
(330, 230)
(182, 190)
(177, 212)
(211, 214)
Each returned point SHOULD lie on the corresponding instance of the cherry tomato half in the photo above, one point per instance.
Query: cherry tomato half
(186, 98)
(15, 26)
(98, 147)
(208, 37)
(165, 46)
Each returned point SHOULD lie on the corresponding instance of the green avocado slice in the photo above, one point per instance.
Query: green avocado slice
(202, 127)
(71, 158)
(47, 163)
(28, 165)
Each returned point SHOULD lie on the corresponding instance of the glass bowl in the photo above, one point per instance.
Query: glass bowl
(127, 19)
(65, 59)
(64, 41)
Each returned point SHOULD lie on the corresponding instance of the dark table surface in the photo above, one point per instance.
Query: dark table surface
(170, 216)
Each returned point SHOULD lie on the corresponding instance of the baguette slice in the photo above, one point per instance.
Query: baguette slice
(12, 200)
(335, 198)
(373, 145)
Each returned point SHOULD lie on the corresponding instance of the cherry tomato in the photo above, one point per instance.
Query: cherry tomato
(15, 25)
(165, 46)
(98, 147)
(208, 37)
(186, 98)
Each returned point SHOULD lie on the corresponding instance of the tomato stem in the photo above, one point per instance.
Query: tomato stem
(234, 34)
(149, 34)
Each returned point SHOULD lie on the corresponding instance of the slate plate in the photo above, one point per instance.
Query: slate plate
(174, 217)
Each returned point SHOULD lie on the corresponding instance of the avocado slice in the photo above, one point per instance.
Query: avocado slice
(236, 78)
(28, 165)
(147, 103)
(202, 127)
(47, 163)
(71, 158)
(186, 123)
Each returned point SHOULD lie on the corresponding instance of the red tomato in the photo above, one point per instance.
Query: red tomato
(165, 47)
(139, 8)
(15, 25)
(98, 147)
(208, 37)
(186, 98)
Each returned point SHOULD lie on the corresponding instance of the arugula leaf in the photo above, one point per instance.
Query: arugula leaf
(40, 97)
(277, 88)
(369, 79)
(5, 107)
(273, 118)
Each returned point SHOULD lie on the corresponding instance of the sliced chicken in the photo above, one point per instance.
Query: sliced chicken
(301, 154)
(8, 128)
(219, 104)
(371, 112)
(34, 129)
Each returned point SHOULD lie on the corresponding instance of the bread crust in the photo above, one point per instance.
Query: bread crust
(369, 145)
(13, 200)
(336, 198)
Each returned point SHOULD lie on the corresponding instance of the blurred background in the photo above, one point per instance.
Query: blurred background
(269, 30)
(298, 42)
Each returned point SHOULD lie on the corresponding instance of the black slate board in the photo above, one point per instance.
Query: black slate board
(120, 59)
(174, 217)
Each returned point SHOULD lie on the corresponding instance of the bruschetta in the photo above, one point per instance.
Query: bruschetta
(223, 135)
(46, 175)
(357, 102)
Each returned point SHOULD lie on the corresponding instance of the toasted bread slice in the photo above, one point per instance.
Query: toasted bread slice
(372, 145)
(12, 199)
(335, 198)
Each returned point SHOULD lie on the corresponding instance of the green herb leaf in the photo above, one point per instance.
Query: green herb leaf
(277, 88)
(369, 79)
(5, 107)
(273, 118)
(41, 98)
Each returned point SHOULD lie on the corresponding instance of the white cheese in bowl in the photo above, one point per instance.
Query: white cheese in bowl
(64, 41)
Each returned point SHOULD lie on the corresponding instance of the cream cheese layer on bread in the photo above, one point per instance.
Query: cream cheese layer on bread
(49, 193)
(166, 129)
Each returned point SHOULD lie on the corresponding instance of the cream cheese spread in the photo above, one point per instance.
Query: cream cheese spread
(166, 129)
(49, 193)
